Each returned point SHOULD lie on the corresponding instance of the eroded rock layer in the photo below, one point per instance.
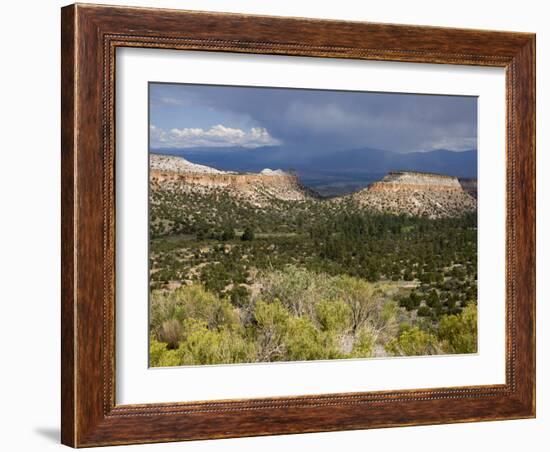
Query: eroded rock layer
(418, 194)
(399, 192)
(177, 174)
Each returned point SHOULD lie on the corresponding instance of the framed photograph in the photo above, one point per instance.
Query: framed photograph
(281, 225)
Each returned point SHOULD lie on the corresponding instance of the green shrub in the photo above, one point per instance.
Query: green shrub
(333, 316)
(458, 333)
(363, 345)
(205, 346)
(283, 337)
(296, 288)
(362, 298)
(227, 234)
(160, 356)
(272, 327)
(248, 235)
(190, 302)
(304, 342)
(424, 311)
(239, 295)
(413, 341)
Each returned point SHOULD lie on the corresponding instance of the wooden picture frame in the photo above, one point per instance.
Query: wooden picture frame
(90, 36)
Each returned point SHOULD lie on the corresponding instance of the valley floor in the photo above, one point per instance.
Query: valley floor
(234, 282)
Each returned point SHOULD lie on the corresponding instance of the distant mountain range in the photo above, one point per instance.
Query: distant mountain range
(364, 160)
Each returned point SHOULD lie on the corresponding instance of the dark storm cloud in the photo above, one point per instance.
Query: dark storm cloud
(327, 120)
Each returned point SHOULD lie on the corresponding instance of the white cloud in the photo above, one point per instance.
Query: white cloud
(216, 136)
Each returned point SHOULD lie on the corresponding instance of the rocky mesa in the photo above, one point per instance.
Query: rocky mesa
(417, 194)
(259, 189)
(399, 192)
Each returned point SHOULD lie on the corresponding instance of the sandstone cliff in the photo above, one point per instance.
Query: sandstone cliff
(418, 194)
(177, 174)
(399, 192)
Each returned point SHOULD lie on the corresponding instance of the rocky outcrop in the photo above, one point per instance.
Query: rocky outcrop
(413, 180)
(417, 194)
(173, 164)
(270, 172)
(177, 174)
(399, 192)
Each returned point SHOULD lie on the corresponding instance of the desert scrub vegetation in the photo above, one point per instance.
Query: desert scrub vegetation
(218, 241)
(235, 281)
(296, 315)
(455, 333)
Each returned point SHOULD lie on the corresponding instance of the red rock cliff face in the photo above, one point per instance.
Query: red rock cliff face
(223, 180)
(255, 188)
(418, 194)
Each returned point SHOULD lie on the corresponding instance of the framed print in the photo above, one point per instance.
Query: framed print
(281, 225)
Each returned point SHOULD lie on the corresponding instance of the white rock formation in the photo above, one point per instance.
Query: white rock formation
(175, 164)
(270, 172)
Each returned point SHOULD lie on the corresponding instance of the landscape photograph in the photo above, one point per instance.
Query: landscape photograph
(298, 224)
